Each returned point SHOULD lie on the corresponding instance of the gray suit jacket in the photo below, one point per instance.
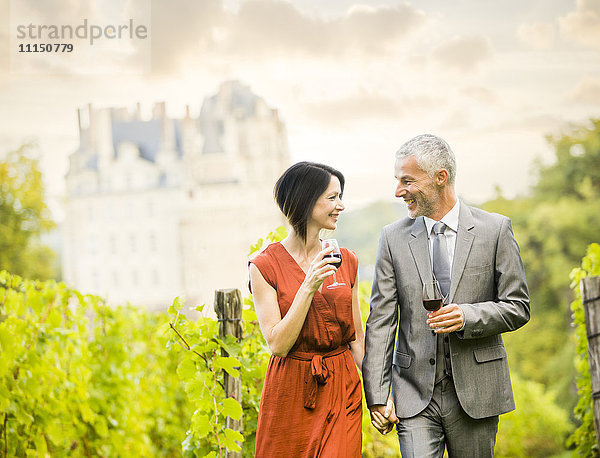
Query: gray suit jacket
(488, 282)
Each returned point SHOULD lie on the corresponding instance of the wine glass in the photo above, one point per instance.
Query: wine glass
(334, 258)
(432, 296)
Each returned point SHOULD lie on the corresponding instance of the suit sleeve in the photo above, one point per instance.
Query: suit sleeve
(511, 308)
(381, 328)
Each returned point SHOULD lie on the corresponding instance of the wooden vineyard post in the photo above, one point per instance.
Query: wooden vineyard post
(590, 292)
(228, 307)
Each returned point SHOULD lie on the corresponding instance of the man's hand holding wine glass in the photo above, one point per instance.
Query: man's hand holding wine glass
(448, 318)
(442, 319)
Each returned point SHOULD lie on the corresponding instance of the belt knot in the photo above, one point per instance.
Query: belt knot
(319, 374)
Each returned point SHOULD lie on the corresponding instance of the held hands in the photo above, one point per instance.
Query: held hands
(383, 417)
(319, 270)
(447, 319)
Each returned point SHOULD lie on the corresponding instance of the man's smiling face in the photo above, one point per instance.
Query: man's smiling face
(416, 187)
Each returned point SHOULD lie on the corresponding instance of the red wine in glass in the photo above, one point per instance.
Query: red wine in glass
(432, 296)
(336, 260)
(336, 255)
(432, 305)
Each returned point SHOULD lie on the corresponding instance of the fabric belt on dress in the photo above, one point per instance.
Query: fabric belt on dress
(318, 372)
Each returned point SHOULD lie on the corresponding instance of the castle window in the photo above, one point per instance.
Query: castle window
(112, 242)
(92, 244)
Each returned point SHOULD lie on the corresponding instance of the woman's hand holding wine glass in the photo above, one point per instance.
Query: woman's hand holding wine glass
(320, 268)
(334, 258)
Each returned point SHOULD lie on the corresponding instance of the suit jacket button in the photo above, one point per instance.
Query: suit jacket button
(431, 361)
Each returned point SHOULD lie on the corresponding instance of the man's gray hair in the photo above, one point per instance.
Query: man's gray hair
(431, 153)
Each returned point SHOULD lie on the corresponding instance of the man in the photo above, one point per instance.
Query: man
(447, 370)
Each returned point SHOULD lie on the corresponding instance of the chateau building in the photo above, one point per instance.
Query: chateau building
(165, 207)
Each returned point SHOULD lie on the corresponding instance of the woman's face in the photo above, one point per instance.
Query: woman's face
(328, 206)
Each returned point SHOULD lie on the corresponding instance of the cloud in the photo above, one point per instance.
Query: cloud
(542, 122)
(264, 27)
(480, 94)
(540, 36)
(182, 30)
(364, 105)
(583, 25)
(54, 11)
(464, 54)
(587, 92)
(370, 29)
(76, 22)
(204, 34)
(368, 105)
(456, 120)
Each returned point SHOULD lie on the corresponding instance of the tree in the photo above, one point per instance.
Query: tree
(554, 224)
(24, 216)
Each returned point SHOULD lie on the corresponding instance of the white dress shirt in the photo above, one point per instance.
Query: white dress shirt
(450, 219)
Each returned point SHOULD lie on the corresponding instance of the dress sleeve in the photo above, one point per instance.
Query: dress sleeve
(264, 264)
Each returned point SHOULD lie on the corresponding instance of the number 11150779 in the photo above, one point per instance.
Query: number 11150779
(46, 47)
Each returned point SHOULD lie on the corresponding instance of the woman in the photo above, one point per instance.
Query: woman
(311, 403)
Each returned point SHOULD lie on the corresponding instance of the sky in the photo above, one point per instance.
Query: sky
(352, 80)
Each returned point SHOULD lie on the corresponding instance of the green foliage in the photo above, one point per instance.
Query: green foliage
(584, 437)
(23, 217)
(201, 369)
(553, 225)
(360, 230)
(79, 378)
(543, 351)
(556, 222)
(537, 428)
(275, 236)
(576, 172)
(375, 444)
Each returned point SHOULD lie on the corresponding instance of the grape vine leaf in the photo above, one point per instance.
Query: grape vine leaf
(232, 408)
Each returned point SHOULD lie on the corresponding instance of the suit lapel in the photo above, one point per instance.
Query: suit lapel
(464, 241)
(419, 247)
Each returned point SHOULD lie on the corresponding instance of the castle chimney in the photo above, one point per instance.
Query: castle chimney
(91, 127)
(159, 111)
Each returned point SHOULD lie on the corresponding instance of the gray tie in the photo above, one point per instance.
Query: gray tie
(441, 266)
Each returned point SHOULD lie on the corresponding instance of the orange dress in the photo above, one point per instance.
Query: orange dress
(311, 404)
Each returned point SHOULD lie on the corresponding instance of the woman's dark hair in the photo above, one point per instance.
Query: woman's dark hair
(299, 188)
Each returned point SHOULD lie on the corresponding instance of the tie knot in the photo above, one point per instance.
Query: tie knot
(439, 228)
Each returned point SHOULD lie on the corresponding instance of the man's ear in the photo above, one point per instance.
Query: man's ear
(441, 177)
